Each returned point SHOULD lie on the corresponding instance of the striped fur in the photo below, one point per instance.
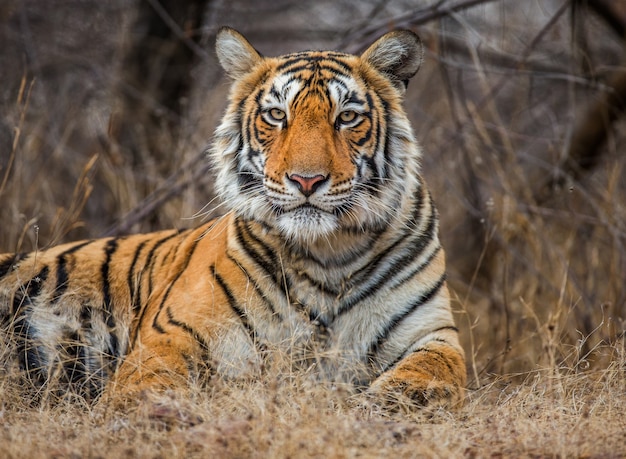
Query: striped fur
(329, 251)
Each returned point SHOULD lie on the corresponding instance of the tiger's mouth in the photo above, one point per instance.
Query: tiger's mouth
(306, 222)
(304, 213)
(306, 205)
(307, 210)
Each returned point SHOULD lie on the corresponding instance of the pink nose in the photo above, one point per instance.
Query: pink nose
(307, 185)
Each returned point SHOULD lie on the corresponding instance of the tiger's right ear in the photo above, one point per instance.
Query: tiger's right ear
(236, 55)
(398, 55)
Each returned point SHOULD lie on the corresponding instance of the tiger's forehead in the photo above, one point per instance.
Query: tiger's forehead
(320, 62)
(323, 74)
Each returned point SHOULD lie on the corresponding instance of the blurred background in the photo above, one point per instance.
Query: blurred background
(106, 108)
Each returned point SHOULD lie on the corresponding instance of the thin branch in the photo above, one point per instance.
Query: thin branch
(495, 89)
(355, 42)
(169, 189)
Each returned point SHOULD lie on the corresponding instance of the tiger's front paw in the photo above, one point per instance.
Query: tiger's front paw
(419, 390)
(431, 376)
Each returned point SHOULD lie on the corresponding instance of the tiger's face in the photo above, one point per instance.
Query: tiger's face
(316, 142)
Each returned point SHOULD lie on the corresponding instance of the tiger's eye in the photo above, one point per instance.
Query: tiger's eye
(348, 116)
(277, 114)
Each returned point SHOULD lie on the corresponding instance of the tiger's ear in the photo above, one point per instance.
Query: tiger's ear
(398, 55)
(236, 55)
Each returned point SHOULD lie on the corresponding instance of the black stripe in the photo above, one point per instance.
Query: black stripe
(274, 92)
(109, 250)
(248, 181)
(166, 295)
(378, 176)
(367, 136)
(257, 289)
(7, 264)
(316, 318)
(157, 326)
(149, 261)
(187, 328)
(397, 319)
(297, 63)
(353, 97)
(418, 269)
(148, 266)
(323, 288)
(266, 261)
(251, 129)
(132, 289)
(62, 274)
(368, 115)
(29, 291)
(234, 305)
(387, 148)
(173, 250)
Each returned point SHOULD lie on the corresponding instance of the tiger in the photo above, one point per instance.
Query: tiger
(328, 251)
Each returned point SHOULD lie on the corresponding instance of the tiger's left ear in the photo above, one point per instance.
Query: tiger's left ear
(398, 55)
(236, 55)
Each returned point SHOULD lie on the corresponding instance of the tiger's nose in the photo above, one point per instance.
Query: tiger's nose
(307, 184)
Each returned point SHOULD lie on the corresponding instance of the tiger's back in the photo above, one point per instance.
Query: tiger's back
(329, 252)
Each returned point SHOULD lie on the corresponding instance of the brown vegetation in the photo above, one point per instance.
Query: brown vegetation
(519, 107)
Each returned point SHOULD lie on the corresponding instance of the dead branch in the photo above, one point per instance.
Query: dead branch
(170, 188)
(357, 41)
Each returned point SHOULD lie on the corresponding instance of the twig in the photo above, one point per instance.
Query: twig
(24, 100)
(168, 190)
(495, 89)
(355, 42)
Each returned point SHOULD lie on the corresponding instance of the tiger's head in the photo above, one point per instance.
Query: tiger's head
(317, 142)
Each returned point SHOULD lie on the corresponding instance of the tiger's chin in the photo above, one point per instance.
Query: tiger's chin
(306, 225)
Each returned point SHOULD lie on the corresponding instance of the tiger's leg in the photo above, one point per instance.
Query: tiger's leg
(155, 365)
(432, 374)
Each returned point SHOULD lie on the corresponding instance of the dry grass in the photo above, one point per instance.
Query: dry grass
(536, 253)
(551, 413)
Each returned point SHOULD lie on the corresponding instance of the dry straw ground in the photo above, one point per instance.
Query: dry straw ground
(548, 414)
(519, 108)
